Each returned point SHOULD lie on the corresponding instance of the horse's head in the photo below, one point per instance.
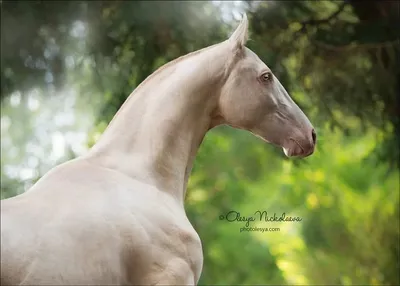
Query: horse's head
(252, 98)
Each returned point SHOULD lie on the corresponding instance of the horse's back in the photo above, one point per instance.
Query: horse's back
(55, 233)
(55, 248)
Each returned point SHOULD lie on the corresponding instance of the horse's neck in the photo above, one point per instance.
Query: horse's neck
(156, 134)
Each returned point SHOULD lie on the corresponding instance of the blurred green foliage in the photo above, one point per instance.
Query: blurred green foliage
(338, 60)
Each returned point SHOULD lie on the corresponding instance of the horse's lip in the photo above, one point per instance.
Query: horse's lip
(294, 149)
(294, 152)
(291, 147)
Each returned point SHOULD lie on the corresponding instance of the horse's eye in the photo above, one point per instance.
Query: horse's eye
(266, 76)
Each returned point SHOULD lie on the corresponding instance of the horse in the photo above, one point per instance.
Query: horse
(115, 215)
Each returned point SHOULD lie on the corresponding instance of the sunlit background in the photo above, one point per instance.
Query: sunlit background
(68, 66)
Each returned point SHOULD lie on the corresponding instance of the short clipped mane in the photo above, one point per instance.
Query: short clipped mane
(172, 63)
(158, 71)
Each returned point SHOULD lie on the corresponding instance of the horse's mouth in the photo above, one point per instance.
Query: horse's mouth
(295, 149)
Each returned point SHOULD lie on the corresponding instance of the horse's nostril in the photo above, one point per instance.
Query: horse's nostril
(314, 136)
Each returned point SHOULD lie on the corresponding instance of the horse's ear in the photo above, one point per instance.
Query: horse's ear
(240, 36)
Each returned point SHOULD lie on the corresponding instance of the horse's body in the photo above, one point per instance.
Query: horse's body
(64, 232)
(116, 215)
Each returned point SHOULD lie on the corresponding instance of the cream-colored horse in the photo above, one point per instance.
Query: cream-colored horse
(116, 215)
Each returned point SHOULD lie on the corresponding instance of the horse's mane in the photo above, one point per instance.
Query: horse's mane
(159, 70)
(172, 63)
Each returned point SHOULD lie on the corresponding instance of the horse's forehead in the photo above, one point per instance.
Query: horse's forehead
(251, 58)
(250, 54)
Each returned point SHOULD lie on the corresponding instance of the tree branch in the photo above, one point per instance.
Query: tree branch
(311, 22)
(353, 46)
(325, 20)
